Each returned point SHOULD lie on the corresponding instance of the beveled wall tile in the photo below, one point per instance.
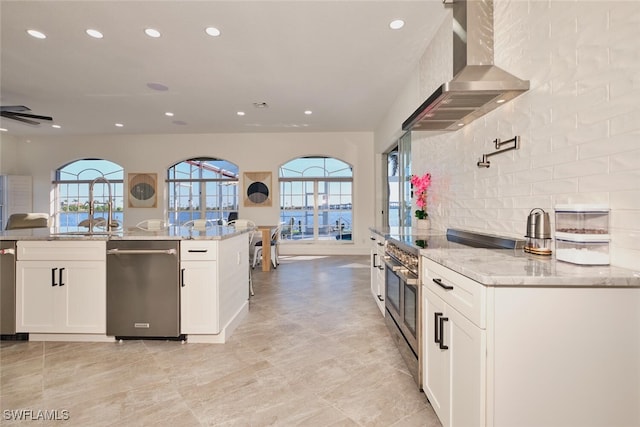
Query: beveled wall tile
(580, 118)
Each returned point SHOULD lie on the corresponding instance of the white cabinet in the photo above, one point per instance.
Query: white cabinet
(377, 270)
(61, 287)
(436, 371)
(529, 356)
(454, 375)
(574, 351)
(199, 287)
(214, 283)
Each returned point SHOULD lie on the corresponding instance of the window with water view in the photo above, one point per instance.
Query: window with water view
(71, 191)
(202, 188)
(316, 195)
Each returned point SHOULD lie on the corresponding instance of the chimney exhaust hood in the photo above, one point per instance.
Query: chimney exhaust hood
(478, 86)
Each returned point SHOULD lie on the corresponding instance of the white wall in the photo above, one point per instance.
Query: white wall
(8, 153)
(251, 152)
(579, 124)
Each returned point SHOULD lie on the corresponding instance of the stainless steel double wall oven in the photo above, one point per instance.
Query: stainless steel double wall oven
(403, 302)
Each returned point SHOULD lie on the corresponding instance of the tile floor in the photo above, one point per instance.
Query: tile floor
(313, 351)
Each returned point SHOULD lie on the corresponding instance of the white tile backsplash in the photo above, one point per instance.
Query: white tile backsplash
(579, 124)
(627, 161)
(580, 168)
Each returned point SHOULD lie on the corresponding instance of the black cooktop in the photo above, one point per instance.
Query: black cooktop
(413, 239)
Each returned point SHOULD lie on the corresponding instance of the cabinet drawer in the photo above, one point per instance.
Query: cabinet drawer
(194, 250)
(465, 295)
(84, 250)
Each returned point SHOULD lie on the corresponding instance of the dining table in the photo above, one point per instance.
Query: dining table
(266, 231)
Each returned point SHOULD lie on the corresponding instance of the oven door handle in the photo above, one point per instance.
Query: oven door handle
(401, 271)
(412, 282)
(409, 279)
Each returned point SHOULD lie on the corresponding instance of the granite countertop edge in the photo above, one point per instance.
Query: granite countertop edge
(508, 267)
(176, 233)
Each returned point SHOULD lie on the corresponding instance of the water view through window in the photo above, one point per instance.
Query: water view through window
(316, 196)
(71, 191)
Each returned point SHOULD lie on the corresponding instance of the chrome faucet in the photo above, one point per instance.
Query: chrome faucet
(110, 222)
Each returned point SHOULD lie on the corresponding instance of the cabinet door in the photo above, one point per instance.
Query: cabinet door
(436, 360)
(467, 355)
(199, 298)
(377, 275)
(36, 297)
(61, 297)
(373, 264)
(85, 291)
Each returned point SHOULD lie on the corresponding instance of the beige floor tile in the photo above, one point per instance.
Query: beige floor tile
(312, 351)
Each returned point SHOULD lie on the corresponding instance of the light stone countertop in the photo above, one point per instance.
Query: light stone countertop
(512, 267)
(171, 233)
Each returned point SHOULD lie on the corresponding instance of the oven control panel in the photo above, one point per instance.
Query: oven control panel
(406, 258)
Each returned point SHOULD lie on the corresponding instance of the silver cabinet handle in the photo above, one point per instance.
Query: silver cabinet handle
(141, 251)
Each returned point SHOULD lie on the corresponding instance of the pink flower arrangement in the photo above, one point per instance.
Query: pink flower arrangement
(420, 185)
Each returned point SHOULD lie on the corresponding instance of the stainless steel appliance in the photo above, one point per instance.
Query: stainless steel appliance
(478, 86)
(402, 302)
(7, 287)
(143, 289)
(403, 283)
(538, 233)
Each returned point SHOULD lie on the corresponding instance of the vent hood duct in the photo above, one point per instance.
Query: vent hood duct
(478, 86)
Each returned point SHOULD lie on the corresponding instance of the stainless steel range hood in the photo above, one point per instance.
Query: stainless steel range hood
(478, 86)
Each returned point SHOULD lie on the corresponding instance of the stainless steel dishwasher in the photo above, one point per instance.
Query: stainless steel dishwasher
(143, 289)
(7, 287)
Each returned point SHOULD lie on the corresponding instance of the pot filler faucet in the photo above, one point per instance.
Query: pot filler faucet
(110, 222)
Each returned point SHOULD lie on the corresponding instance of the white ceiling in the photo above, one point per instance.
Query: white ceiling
(336, 58)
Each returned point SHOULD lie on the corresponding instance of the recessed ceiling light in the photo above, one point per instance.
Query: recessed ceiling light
(168, 114)
(94, 33)
(308, 112)
(37, 34)
(500, 101)
(56, 126)
(3, 130)
(151, 32)
(119, 125)
(212, 31)
(240, 113)
(158, 86)
(396, 24)
(460, 124)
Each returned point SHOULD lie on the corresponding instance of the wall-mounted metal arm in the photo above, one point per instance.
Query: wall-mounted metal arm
(485, 163)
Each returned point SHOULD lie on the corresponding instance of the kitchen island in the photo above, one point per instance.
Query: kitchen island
(62, 282)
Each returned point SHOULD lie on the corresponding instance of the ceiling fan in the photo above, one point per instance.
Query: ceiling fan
(18, 112)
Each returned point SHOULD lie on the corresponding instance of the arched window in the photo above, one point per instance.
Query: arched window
(316, 196)
(202, 188)
(71, 191)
